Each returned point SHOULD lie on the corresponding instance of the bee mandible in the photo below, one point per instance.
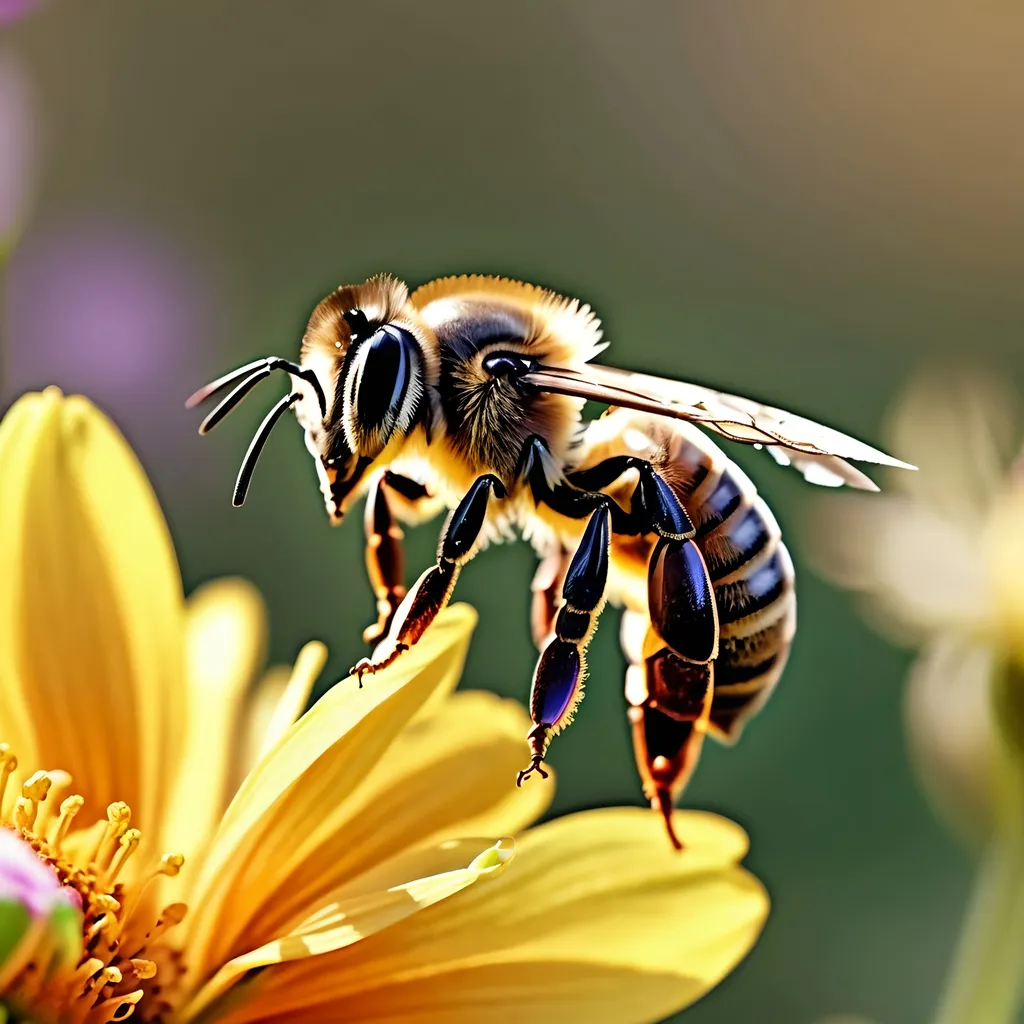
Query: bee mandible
(467, 395)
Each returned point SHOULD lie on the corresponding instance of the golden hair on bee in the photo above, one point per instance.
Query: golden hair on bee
(467, 394)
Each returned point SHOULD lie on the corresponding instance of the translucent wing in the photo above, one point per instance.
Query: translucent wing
(818, 452)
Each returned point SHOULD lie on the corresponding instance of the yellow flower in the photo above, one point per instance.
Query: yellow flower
(344, 879)
(939, 558)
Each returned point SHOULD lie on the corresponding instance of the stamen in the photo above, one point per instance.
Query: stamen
(114, 978)
(119, 816)
(129, 844)
(68, 809)
(110, 1009)
(8, 764)
(168, 866)
(60, 783)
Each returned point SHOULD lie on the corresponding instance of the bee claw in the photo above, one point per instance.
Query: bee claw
(534, 766)
(361, 667)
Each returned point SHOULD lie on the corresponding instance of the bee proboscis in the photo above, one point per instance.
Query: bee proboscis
(467, 395)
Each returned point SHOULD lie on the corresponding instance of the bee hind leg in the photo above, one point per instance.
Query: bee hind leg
(432, 591)
(558, 678)
(669, 709)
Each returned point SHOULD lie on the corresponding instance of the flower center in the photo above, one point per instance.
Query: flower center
(126, 967)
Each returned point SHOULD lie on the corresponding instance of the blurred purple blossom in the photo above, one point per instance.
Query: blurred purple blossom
(26, 880)
(11, 10)
(17, 145)
(116, 312)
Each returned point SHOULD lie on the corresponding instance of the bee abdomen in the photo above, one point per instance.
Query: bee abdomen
(752, 578)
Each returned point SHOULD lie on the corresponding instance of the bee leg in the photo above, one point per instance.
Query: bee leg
(547, 594)
(385, 559)
(669, 709)
(558, 679)
(681, 600)
(655, 507)
(432, 590)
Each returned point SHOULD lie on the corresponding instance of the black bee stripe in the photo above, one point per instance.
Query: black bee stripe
(730, 674)
(745, 597)
(726, 552)
(721, 503)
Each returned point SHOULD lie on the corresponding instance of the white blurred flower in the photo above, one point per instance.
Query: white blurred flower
(939, 561)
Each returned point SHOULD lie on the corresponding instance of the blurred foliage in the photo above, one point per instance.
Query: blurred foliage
(795, 201)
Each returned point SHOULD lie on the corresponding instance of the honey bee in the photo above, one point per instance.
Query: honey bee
(467, 395)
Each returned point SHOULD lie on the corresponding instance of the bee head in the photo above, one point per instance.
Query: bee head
(362, 384)
(375, 361)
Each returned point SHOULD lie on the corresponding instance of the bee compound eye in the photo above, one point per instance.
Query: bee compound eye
(384, 388)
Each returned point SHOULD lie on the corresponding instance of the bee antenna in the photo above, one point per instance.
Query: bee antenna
(256, 447)
(252, 373)
(234, 397)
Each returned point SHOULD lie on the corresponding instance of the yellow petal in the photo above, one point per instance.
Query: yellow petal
(226, 631)
(342, 918)
(274, 705)
(91, 608)
(256, 717)
(295, 695)
(318, 763)
(450, 774)
(597, 919)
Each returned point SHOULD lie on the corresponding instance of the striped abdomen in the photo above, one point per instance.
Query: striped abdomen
(749, 566)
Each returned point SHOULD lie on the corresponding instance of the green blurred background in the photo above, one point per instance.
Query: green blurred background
(800, 201)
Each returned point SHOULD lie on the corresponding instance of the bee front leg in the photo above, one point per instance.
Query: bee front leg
(385, 558)
(433, 589)
(558, 679)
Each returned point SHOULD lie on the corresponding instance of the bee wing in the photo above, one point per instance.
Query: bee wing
(816, 451)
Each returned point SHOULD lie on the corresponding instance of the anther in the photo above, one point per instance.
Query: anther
(68, 809)
(60, 783)
(171, 863)
(24, 813)
(36, 787)
(105, 902)
(173, 914)
(143, 970)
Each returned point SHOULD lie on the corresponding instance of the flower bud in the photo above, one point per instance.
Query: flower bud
(40, 919)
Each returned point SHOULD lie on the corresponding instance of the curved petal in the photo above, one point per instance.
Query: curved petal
(959, 429)
(598, 918)
(342, 919)
(951, 734)
(294, 696)
(450, 774)
(226, 630)
(91, 608)
(317, 764)
(923, 571)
